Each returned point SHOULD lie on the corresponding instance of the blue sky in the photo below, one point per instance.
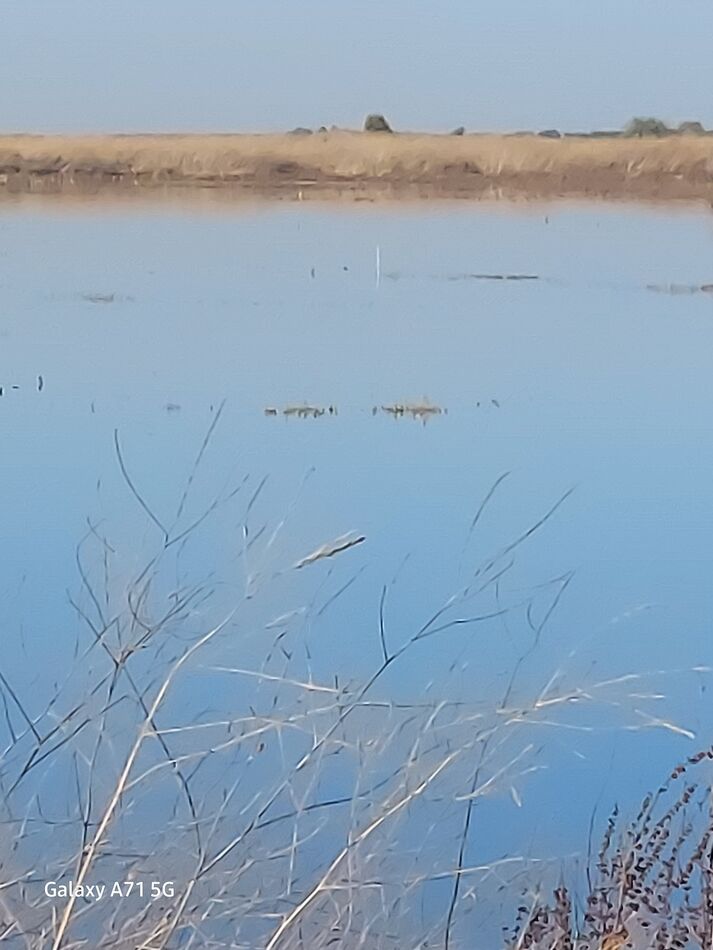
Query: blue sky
(127, 65)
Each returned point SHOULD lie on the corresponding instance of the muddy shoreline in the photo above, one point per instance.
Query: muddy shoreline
(526, 186)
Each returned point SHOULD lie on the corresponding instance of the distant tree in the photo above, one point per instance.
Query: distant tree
(691, 128)
(647, 128)
(376, 123)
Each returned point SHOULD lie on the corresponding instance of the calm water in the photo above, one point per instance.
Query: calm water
(585, 378)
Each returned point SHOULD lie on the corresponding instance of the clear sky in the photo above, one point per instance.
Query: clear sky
(130, 65)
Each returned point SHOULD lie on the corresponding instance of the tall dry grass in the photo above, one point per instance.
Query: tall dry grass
(650, 883)
(195, 738)
(353, 155)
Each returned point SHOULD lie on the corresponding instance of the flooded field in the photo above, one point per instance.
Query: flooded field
(355, 562)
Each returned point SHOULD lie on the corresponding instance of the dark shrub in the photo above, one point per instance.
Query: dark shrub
(691, 128)
(646, 128)
(376, 123)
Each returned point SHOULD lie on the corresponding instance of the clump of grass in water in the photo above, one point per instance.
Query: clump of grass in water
(651, 887)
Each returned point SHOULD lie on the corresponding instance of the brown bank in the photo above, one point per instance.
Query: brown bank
(363, 166)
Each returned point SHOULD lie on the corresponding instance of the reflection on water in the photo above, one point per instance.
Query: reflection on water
(530, 588)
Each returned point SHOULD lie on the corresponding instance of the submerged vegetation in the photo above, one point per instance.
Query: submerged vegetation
(415, 410)
(304, 411)
(418, 410)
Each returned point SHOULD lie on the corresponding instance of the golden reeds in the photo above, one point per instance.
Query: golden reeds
(681, 165)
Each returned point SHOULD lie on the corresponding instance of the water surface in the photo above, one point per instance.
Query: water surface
(146, 321)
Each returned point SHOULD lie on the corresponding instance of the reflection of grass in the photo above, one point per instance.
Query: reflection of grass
(304, 411)
(292, 799)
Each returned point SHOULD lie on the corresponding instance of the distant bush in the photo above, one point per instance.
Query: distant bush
(691, 128)
(647, 128)
(376, 123)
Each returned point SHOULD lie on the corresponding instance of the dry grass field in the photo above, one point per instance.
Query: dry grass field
(366, 165)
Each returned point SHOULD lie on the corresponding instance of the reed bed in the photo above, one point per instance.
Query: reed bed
(670, 166)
